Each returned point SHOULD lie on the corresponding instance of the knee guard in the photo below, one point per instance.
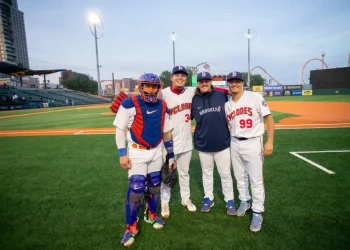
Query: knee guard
(153, 189)
(133, 197)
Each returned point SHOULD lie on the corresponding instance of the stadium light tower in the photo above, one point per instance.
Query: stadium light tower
(249, 36)
(173, 39)
(94, 22)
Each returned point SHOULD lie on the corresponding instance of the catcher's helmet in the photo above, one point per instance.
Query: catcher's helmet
(169, 176)
(150, 79)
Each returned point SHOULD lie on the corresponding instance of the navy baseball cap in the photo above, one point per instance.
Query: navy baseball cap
(234, 75)
(179, 69)
(203, 75)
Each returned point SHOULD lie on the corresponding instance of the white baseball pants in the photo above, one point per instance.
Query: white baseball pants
(247, 160)
(145, 161)
(223, 164)
(183, 166)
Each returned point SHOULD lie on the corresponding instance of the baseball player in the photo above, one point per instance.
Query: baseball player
(147, 120)
(246, 112)
(212, 140)
(178, 99)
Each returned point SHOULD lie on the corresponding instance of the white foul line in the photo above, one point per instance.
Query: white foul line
(77, 133)
(316, 152)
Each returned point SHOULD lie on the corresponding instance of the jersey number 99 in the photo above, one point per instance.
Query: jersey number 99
(246, 123)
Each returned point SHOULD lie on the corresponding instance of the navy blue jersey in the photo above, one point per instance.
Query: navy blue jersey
(211, 133)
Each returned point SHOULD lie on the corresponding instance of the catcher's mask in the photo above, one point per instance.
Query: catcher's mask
(149, 78)
(169, 176)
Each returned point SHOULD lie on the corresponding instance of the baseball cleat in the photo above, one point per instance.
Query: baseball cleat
(128, 239)
(257, 220)
(165, 211)
(190, 206)
(230, 207)
(207, 204)
(243, 207)
(157, 223)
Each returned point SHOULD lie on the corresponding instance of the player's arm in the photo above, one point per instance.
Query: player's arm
(270, 126)
(121, 123)
(169, 146)
(168, 140)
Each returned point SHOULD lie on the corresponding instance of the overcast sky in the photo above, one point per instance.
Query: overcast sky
(137, 35)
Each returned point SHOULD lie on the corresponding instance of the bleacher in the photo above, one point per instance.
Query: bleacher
(54, 97)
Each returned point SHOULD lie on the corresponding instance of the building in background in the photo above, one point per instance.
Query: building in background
(13, 42)
(65, 74)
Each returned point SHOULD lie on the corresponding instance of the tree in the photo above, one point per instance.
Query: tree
(255, 79)
(165, 77)
(81, 83)
(190, 71)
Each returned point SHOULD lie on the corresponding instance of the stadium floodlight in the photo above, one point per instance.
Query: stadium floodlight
(173, 39)
(249, 35)
(94, 22)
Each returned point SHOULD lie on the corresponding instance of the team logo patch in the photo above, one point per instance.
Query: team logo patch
(264, 104)
(234, 73)
(203, 74)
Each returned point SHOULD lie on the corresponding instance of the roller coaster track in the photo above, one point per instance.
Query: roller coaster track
(265, 73)
(302, 70)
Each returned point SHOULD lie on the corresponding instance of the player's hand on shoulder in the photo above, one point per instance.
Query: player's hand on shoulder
(125, 162)
(268, 149)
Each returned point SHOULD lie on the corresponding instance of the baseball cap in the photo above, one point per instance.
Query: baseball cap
(179, 69)
(234, 75)
(203, 75)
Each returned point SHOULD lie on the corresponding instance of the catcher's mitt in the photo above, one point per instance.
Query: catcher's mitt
(118, 101)
(169, 175)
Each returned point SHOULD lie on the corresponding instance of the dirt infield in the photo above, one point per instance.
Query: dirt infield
(309, 115)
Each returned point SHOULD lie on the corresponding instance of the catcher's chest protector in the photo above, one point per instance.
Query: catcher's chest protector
(147, 128)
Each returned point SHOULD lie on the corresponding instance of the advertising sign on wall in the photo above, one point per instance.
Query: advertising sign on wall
(258, 88)
(296, 92)
(287, 93)
(290, 87)
(307, 92)
(273, 88)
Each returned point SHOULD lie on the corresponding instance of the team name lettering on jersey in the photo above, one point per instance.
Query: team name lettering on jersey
(208, 110)
(240, 111)
(179, 108)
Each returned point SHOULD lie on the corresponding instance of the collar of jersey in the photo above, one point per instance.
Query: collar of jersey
(177, 91)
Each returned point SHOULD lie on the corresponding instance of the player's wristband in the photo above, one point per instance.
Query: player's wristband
(122, 152)
(168, 144)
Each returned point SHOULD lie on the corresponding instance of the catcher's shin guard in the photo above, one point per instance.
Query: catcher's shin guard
(153, 188)
(133, 198)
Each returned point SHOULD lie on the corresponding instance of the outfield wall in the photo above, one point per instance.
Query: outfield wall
(345, 91)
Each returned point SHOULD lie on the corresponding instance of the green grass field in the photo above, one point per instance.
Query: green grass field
(68, 192)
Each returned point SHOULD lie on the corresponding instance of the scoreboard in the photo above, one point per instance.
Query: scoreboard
(217, 81)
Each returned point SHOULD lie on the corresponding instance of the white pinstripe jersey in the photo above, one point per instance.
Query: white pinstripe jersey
(180, 115)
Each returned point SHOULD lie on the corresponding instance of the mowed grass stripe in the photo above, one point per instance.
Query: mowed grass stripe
(75, 118)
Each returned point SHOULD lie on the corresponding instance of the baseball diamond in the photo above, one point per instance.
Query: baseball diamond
(62, 186)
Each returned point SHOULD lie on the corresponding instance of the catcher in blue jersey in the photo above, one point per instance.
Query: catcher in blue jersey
(147, 120)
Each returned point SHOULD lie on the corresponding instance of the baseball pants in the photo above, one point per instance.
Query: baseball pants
(145, 161)
(223, 164)
(183, 165)
(247, 161)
